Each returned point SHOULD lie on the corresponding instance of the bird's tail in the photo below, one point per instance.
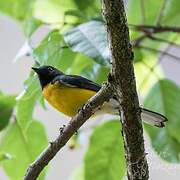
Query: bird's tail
(153, 118)
(150, 117)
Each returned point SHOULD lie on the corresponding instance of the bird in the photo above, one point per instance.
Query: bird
(68, 93)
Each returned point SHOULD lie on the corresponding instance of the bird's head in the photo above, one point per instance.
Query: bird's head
(46, 74)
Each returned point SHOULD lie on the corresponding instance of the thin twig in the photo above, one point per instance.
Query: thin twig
(158, 51)
(155, 29)
(67, 132)
(136, 42)
(143, 11)
(163, 40)
(64, 47)
(161, 13)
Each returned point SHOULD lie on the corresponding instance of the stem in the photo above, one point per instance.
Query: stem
(161, 13)
(155, 29)
(158, 51)
(143, 11)
(67, 132)
(124, 84)
(163, 41)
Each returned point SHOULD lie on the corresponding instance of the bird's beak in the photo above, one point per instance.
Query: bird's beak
(35, 69)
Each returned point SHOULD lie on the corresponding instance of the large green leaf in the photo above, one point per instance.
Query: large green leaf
(147, 72)
(6, 108)
(88, 7)
(170, 17)
(171, 14)
(134, 12)
(79, 63)
(86, 67)
(52, 11)
(26, 102)
(1, 93)
(91, 40)
(164, 98)
(21, 10)
(96, 72)
(18, 9)
(55, 11)
(23, 150)
(53, 51)
(30, 25)
(4, 156)
(105, 158)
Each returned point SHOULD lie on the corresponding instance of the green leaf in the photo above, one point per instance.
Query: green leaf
(91, 40)
(52, 11)
(171, 13)
(83, 5)
(134, 14)
(16, 9)
(151, 16)
(7, 104)
(23, 51)
(145, 76)
(86, 67)
(53, 51)
(76, 13)
(21, 10)
(23, 150)
(88, 7)
(96, 72)
(42, 102)
(26, 102)
(4, 156)
(170, 17)
(79, 63)
(164, 98)
(138, 55)
(1, 93)
(105, 158)
(30, 25)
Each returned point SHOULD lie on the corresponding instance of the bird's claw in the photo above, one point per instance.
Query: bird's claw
(81, 108)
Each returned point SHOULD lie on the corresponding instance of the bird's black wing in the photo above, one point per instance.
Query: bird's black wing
(78, 82)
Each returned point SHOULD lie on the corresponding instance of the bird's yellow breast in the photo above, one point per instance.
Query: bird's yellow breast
(67, 100)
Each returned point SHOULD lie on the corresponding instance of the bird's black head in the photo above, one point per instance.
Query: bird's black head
(46, 74)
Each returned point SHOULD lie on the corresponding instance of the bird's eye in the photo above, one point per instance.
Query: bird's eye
(50, 68)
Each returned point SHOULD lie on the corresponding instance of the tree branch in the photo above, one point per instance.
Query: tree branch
(158, 21)
(158, 51)
(67, 132)
(137, 41)
(142, 11)
(125, 86)
(163, 40)
(155, 29)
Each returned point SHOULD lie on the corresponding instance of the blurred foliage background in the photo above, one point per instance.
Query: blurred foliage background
(77, 44)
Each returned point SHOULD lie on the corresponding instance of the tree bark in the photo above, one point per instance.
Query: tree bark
(123, 81)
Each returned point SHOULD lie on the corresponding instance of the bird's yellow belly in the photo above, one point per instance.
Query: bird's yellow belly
(67, 100)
